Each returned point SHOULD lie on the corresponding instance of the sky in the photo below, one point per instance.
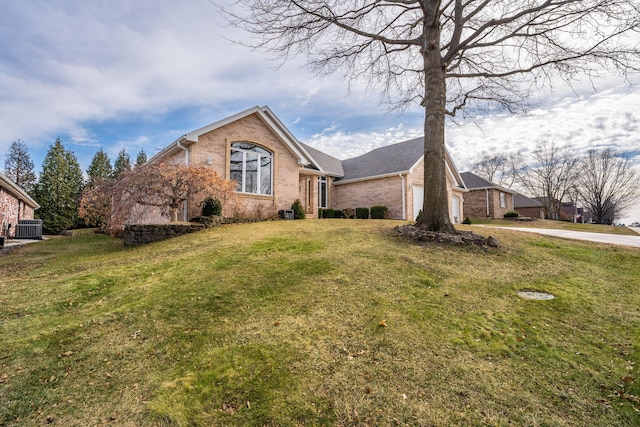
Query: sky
(138, 74)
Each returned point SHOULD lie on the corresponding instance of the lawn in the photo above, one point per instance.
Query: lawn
(332, 322)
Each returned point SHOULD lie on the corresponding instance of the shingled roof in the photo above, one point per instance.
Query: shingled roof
(327, 163)
(521, 201)
(475, 182)
(394, 158)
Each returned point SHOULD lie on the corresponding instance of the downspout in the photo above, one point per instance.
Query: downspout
(186, 162)
(404, 197)
(486, 190)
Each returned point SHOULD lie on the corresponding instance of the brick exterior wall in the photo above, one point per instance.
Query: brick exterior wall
(531, 212)
(475, 204)
(364, 194)
(213, 150)
(12, 210)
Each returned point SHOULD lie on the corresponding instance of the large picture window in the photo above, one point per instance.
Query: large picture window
(251, 167)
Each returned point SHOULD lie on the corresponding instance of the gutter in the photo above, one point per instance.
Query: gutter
(404, 197)
(487, 196)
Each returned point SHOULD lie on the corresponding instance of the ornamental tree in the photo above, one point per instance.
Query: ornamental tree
(165, 187)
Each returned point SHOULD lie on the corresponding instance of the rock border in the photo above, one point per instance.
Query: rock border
(461, 238)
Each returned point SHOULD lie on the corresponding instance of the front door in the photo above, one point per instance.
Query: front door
(455, 209)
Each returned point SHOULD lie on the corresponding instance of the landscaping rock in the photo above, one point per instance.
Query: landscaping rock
(458, 239)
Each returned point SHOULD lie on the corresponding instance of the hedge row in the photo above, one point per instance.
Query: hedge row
(376, 212)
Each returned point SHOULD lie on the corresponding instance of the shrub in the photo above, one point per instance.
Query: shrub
(349, 213)
(298, 210)
(419, 217)
(328, 213)
(362, 213)
(378, 212)
(467, 221)
(337, 213)
(512, 214)
(320, 213)
(211, 207)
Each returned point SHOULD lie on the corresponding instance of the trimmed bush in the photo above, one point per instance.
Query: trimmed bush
(320, 213)
(512, 214)
(349, 213)
(378, 212)
(362, 213)
(211, 207)
(298, 210)
(467, 221)
(337, 213)
(419, 217)
(328, 213)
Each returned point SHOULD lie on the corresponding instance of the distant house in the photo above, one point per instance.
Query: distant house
(485, 198)
(15, 204)
(273, 169)
(528, 207)
(572, 213)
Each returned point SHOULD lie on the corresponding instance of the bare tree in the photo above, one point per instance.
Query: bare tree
(500, 168)
(551, 176)
(448, 56)
(608, 184)
(113, 202)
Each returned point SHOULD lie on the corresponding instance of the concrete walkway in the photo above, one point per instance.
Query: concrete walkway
(613, 239)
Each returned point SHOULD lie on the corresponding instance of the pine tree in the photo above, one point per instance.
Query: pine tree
(99, 169)
(141, 158)
(122, 163)
(58, 189)
(18, 166)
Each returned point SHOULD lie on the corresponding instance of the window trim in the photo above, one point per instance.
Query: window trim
(322, 180)
(242, 185)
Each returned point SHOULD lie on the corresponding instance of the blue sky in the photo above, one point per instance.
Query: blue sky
(137, 74)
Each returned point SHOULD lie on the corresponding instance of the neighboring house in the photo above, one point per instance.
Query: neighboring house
(273, 169)
(570, 212)
(15, 204)
(485, 198)
(528, 207)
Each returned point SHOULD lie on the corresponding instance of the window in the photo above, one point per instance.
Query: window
(251, 167)
(503, 200)
(322, 192)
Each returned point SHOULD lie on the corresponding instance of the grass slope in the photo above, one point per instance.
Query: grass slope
(333, 322)
(562, 225)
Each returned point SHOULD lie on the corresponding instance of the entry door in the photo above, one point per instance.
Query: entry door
(418, 199)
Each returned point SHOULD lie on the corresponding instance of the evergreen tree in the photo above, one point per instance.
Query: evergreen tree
(58, 189)
(141, 159)
(18, 166)
(122, 163)
(99, 169)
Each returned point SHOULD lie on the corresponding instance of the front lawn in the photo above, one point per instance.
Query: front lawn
(312, 322)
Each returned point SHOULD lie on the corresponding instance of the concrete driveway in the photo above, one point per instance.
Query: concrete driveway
(613, 239)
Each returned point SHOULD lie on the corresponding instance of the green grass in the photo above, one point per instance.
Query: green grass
(564, 225)
(318, 323)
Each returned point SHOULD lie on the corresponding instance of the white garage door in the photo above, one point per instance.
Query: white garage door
(455, 209)
(418, 199)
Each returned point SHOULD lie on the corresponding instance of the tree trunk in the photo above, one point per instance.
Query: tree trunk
(435, 210)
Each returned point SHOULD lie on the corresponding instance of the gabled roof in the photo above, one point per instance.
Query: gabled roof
(475, 182)
(16, 191)
(391, 160)
(522, 201)
(267, 116)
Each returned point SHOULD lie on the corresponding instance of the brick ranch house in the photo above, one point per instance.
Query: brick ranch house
(485, 198)
(273, 169)
(15, 204)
